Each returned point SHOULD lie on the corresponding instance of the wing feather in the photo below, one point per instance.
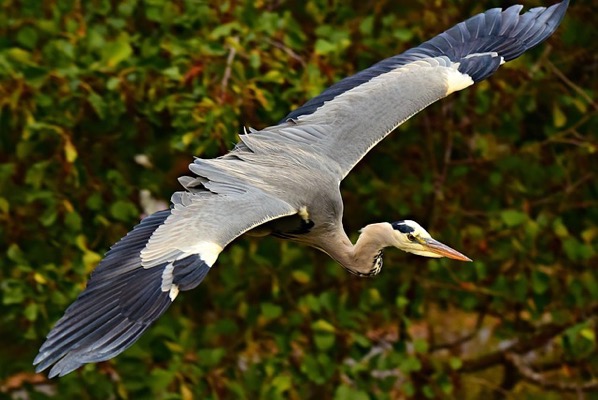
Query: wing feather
(503, 31)
(356, 113)
(141, 275)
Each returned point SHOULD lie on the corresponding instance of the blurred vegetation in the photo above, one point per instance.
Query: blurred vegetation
(102, 101)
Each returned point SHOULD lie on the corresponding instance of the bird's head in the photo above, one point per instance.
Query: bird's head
(411, 237)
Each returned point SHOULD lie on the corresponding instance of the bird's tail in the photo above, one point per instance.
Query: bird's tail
(121, 301)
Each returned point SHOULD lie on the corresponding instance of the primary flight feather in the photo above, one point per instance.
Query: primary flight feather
(284, 181)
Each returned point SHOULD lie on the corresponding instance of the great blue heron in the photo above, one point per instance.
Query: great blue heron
(284, 181)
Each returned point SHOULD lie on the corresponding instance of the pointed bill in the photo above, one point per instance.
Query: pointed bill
(443, 250)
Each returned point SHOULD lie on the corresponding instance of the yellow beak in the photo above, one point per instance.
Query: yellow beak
(443, 250)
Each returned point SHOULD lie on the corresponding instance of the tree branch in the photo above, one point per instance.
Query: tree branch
(518, 346)
(287, 50)
(540, 380)
(582, 93)
(463, 339)
(227, 71)
(522, 346)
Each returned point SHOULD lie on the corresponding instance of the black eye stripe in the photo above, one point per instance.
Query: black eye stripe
(402, 227)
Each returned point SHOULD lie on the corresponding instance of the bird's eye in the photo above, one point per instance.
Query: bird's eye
(411, 237)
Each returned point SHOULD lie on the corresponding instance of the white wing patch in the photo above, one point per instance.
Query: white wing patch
(208, 251)
(167, 277)
(487, 53)
(456, 80)
(167, 285)
(174, 291)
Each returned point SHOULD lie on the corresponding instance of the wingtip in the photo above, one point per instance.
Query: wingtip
(562, 6)
(560, 10)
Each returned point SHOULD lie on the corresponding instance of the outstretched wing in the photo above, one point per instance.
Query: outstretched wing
(142, 274)
(348, 119)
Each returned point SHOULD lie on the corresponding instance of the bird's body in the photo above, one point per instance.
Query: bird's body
(284, 181)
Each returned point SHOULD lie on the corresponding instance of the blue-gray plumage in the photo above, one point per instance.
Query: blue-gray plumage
(488, 32)
(284, 181)
(102, 322)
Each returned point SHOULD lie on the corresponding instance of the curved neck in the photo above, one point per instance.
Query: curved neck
(365, 257)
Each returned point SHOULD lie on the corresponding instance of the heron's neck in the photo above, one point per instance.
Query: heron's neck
(365, 257)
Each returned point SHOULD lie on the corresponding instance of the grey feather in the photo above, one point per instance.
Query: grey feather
(121, 301)
(494, 30)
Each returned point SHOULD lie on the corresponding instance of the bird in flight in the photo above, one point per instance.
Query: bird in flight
(284, 181)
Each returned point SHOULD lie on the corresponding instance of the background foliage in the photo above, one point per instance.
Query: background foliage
(103, 103)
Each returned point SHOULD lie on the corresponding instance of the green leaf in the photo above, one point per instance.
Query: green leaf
(576, 250)
(560, 229)
(410, 364)
(408, 389)
(282, 383)
(540, 282)
(323, 326)
(270, 311)
(344, 392)
(4, 205)
(94, 201)
(367, 25)
(27, 36)
(73, 221)
(301, 276)
(402, 301)
(19, 55)
(161, 378)
(15, 254)
(115, 52)
(513, 218)
(31, 311)
(211, 357)
(455, 363)
(324, 341)
(12, 291)
(312, 368)
(90, 259)
(589, 334)
(123, 210)
(324, 47)
(420, 345)
(225, 30)
(558, 116)
(428, 392)
(70, 152)
(403, 34)
(312, 302)
(98, 104)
